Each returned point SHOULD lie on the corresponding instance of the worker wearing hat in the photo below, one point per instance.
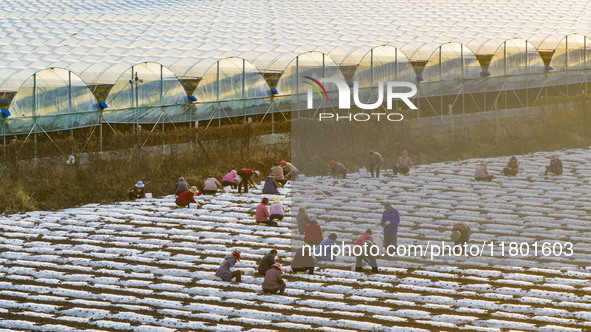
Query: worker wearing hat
(277, 211)
(274, 282)
(290, 171)
(337, 170)
(186, 198)
(226, 271)
(138, 191)
(512, 167)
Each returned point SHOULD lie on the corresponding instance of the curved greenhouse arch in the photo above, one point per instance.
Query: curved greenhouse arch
(451, 61)
(573, 52)
(383, 63)
(312, 64)
(516, 56)
(147, 92)
(231, 87)
(52, 99)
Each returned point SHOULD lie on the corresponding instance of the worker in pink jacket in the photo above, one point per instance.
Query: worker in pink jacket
(211, 186)
(230, 179)
(262, 214)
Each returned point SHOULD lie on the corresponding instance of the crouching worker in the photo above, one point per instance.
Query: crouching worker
(273, 282)
(262, 214)
(512, 167)
(226, 271)
(231, 179)
(324, 250)
(313, 233)
(277, 211)
(211, 186)
(277, 173)
(481, 174)
(267, 261)
(403, 164)
(337, 170)
(186, 198)
(303, 261)
(290, 171)
(270, 187)
(365, 241)
(460, 234)
(138, 191)
(555, 165)
(181, 186)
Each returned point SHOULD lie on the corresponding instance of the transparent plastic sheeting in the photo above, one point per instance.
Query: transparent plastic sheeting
(516, 57)
(234, 87)
(573, 53)
(238, 86)
(50, 100)
(146, 93)
(293, 85)
(451, 61)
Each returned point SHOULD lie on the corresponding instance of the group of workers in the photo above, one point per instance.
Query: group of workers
(305, 262)
(512, 168)
(242, 179)
(373, 163)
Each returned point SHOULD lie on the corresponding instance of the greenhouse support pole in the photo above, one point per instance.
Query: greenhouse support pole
(162, 96)
(101, 137)
(70, 108)
(4, 138)
(566, 60)
(440, 88)
(244, 88)
(35, 111)
(217, 88)
(297, 83)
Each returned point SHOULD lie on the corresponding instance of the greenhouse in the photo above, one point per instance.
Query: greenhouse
(64, 68)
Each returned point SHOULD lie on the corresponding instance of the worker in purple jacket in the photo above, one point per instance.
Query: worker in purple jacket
(390, 221)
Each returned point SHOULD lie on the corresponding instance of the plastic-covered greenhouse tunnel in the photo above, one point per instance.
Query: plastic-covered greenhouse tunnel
(452, 78)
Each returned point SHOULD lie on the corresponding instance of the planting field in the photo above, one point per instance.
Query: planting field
(148, 266)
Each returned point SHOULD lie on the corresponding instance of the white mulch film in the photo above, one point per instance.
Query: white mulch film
(147, 266)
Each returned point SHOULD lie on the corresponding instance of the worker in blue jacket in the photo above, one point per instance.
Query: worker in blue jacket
(324, 250)
(390, 221)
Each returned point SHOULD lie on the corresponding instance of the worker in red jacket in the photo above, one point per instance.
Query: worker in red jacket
(187, 197)
(313, 233)
(246, 178)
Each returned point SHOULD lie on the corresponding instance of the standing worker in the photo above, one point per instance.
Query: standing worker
(390, 221)
(373, 161)
(246, 178)
(365, 241)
